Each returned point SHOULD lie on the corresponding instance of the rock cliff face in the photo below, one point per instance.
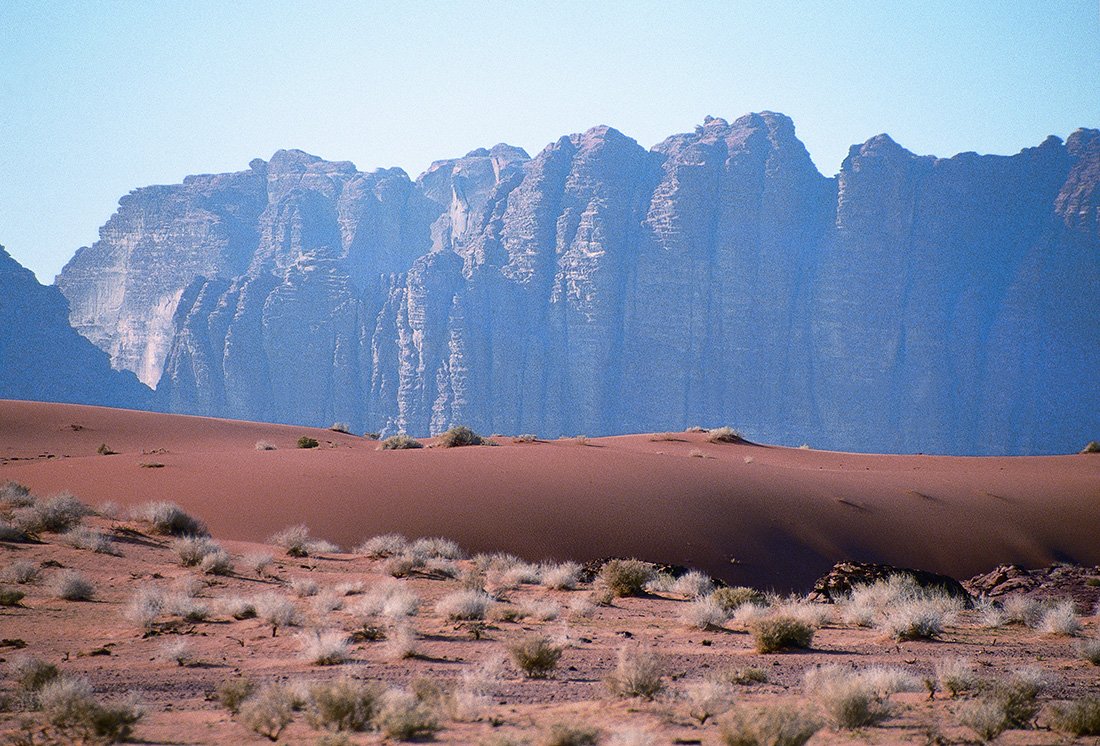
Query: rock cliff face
(909, 304)
(43, 359)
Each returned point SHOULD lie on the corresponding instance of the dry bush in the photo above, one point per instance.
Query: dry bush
(231, 693)
(169, 519)
(1060, 620)
(16, 495)
(436, 547)
(10, 532)
(145, 606)
(385, 545)
(522, 573)
(277, 611)
(389, 599)
(269, 711)
(625, 577)
(257, 563)
(69, 706)
(186, 607)
(1021, 610)
(1090, 650)
(179, 651)
(464, 605)
(566, 734)
(264, 445)
(582, 608)
(307, 442)
(746, 676)
(526, 438)
(774, 725)
(327, 602)
(399, 442)
(402, 642)
(855, 699)
(693, 584)
(459, 435)
(637, 673)
(30, 674)
(239, 607)
(723, 435)
(704, 614)
(1079, 718)
(71, 585)
(708, 698)
(345, 704)
(91, 540)
(1004, 705)
(340, 427)
(956, 675)
(190, 550)
(560, 577)
(535, 656)
(304, 587)
(55, 514)
(735, 597)
(404, 717)
(919, 619)
(20, 571)
(540, 611)
(298, 543)
(777, 632)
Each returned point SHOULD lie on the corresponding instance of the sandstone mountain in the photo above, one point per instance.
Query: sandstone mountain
(908, 304)
(43, 359)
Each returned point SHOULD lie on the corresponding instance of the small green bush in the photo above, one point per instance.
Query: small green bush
(1080, 717)
(536, 656)
(459, 436)
(69, 706)
(307, 442)
(231, 693)
(774, 633)
(399, 443)
(11, 597)
(626, 577)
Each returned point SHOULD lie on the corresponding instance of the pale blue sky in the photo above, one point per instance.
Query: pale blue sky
(97, 98)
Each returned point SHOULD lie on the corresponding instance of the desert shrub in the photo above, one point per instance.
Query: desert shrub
(1060, 619)
(389, 599)
(307, 442)
(327, 602)
(561, 577)
(566, 734)
(269, 711)
(385, 545)
(399, 442)
(746, 676)
(16, 495)
(919, 619)
(1004, 705)
(239, 607)
(144, 607)
(217, 562)
(777, 632)
(324, 647)
(265, 445)
(693, 584)
(436, 547)
(404, 717)
(82, 537)
(705, 614)
(232, 693)
(708, 698)
(625, 577)
(179, 651)
(1090, 650)
(774, 725)
(9, 532)
(169, 519)
(1091, 447)
(723, 435)
(732, 598)
(540, 611)
(521, 573)
(637, 673)
(69, 706)
(55, 514)
(190, 550)
(401, 641)
(340, 427)
(71, 585)
(276, 611)
(257, 563)
(525, 438)
(956, 675)
(11, 597)
(1080, 717)
(581, 608)
(105, 450)
(849, 699)
(536, 656)
(185, 607)
(21, 572)
(1021, 610)
(464, 605)
(345, 704)
(30, 674)
(304, 587)
(459, 436)
(298, 543)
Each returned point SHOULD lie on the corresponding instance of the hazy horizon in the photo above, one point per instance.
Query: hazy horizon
(98, 101)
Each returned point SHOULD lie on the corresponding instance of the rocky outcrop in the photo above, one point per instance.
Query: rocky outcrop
(846, 576)
(43, 359)
(909, 304)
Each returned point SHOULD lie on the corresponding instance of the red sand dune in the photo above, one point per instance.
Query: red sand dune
(753, 514)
